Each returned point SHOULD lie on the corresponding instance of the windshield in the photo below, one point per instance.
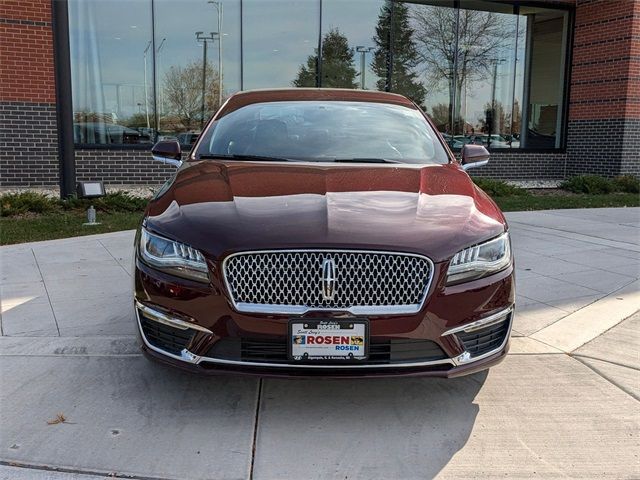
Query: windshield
(324, 131)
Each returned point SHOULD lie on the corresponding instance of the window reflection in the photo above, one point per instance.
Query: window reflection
(489, 73)
(197, 63)
(279, 36)
(353, 24)
(485, 74)
(434, 28)
(542, 111)
(111, 71)
(397, 48)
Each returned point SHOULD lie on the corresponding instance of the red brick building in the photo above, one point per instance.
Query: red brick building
(86, 87)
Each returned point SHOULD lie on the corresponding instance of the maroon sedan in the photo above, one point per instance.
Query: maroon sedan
(323, 232)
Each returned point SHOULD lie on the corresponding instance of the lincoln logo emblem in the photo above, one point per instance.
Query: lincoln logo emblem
(328, 279)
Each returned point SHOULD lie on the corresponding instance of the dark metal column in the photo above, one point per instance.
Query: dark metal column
(62, 64)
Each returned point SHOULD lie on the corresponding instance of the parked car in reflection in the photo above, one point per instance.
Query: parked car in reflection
(104, 133)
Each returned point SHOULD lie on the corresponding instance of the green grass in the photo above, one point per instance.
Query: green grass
(558, 201)
(62, 225)
(498, 188)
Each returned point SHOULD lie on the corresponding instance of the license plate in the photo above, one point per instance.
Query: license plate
(328, 340)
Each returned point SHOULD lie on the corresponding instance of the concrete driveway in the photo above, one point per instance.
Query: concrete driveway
(563, 404)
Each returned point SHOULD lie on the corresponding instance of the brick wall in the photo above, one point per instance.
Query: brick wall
(121, 167)
(604, 109)
(28, 130)
(523, 165)
(28, 144)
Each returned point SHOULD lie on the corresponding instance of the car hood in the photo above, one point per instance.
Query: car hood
(225, 207)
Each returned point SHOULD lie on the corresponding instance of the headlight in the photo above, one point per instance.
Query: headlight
(173, 257)
(480, 260)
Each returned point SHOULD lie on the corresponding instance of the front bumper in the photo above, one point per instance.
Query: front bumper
(461, 330)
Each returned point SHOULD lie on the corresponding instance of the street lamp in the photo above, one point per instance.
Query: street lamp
(160, 96)
(363, 51)
(146, 94)
(218, 6)
(205, 39)
(496, 62)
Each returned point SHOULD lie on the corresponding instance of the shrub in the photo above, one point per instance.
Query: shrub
(12, 204)
(122, 202)
(591, 184)
(111, 202)
(498, 188)
(627, 184)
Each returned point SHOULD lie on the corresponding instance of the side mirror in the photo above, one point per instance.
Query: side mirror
(167, 151)
(474, 156)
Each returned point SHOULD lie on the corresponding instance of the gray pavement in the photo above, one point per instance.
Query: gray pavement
(563, 404)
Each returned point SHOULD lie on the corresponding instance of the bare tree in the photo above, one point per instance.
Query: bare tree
(183, 95)
(480, 36)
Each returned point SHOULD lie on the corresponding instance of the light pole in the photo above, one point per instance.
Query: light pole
(496, 62)
(205, 39)
(160, 92)
(146, 94)
(363, 51)
(218, 6)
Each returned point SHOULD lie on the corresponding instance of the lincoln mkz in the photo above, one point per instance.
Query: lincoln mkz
(323, 232)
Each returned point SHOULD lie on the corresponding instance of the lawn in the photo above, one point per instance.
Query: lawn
(564, 200)
(62, 225)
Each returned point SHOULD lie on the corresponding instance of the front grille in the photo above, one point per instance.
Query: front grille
(171, 340)
(295, 281)
(275, 351)
(485, 339)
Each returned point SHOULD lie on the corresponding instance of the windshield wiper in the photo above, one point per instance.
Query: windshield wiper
(365, 160)
(258, 158)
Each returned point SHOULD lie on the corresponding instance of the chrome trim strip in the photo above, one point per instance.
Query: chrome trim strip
(301, 309)
(161, 317)
(483, 322)
(167, 161)
(326, 367)
(465, 360)
(188, 357)
(469, 166)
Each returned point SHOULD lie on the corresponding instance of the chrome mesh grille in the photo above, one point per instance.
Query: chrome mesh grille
(291, 281)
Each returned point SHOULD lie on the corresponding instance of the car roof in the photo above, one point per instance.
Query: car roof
(249, 97)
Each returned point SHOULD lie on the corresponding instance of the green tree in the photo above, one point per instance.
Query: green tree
(402, 49)
(337, 64)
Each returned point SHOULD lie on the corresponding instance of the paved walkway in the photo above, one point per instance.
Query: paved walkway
(563, 404)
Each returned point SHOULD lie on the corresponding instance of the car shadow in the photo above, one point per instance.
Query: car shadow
(369, 428)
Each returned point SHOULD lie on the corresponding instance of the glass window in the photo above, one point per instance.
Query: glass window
(111, 71)
(196, 67)
(348, 47)
(325, 131)
(397, 52)
(544, 69)
(490, 73)
(280, 43)
(432, 27)
(487, 41)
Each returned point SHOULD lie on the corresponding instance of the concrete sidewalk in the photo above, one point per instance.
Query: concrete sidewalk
(563, 404)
